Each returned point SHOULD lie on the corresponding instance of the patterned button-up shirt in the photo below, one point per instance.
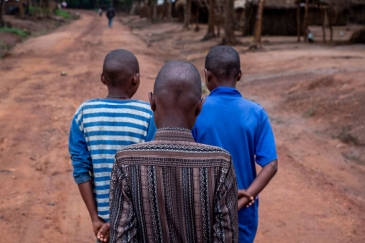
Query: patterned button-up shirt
(173, 190)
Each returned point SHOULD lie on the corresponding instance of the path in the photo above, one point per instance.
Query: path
(39, 202)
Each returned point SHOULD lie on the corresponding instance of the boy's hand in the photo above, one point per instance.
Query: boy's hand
(103, 234)
(244, 199)
(97, 225)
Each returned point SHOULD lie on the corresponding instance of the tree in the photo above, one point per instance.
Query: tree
(169, 10)
(258, 26)
(229, 37)
(187, 14)
(211, 21)
(154, 10)
(2, 5)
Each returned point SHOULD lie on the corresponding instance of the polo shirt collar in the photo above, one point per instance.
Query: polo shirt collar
(226, 91)
(174, 134)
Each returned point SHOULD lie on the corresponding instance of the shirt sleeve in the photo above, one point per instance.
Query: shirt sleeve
(151, 129)
(265, 149)
(80, 155)
(225, 227)
(123, 221)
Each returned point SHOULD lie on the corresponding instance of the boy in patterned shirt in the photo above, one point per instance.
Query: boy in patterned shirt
(173, 189)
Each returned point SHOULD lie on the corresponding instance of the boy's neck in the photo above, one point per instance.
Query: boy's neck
(117, 94)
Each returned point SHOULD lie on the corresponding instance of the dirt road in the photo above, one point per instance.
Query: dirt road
(317, 196)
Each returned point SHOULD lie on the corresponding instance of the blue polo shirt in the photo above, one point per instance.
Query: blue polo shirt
(242, 128)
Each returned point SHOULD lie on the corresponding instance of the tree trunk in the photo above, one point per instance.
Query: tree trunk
(211, 21)
(21, 9)
(197, 13)
(187, 14)
(34, 3)
(305, 21)
(169, 10)
(258, 26)
(2, 5)
(41, 8)
(248, 17)
(154, 11)
(324, 25)
(229, 37)
(330, 26)
(163, 13)
(298, 22)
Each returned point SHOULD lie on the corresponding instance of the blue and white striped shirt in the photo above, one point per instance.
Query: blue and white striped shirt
(99, 129)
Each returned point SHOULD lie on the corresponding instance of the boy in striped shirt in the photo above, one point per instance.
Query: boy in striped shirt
(103, 126)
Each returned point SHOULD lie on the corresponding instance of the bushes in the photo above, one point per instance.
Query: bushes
(16, 31)
(63, 13)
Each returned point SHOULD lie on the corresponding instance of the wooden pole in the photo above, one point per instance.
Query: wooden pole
(2, 5)
(329, 25)
(298, 22)
(258, 27)
(305, 21)
(324, 24)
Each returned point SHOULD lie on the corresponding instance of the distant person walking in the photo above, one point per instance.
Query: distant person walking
(310, 36)
(110, 13)
(100, 11)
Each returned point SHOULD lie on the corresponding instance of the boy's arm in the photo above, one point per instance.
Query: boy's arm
(225, 226)
(82, 165)
(261, 181)
(87, 195)
(266, 157)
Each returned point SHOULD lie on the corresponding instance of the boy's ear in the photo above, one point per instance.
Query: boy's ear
(200, 106)
(135, 79)
(102, 79)
(239, 76)
(208, 75)
(151, 97)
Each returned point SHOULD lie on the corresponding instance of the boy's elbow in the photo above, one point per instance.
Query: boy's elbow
(274, 166)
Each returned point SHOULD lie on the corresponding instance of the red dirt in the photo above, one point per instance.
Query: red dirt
(312, 93)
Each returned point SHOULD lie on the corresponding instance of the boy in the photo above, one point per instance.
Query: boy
(242, 128)
(173, 189)
(103, 126)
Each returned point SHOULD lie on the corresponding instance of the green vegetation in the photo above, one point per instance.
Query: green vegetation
(63, 13)
(32, 10)
(16, 31)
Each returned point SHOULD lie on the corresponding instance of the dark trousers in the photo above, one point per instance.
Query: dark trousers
(110, 22)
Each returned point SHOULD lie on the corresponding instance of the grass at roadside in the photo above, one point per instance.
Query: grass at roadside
(16, 31)
(63, 13)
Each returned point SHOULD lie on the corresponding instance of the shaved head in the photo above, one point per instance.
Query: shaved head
(223, 62)
(178, 85)
(119, 66)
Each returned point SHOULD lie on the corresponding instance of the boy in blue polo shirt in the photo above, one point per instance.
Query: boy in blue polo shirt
(103, 126)
(242, 128)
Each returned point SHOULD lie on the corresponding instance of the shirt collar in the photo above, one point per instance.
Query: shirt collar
(228, 91)
(174, 134)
